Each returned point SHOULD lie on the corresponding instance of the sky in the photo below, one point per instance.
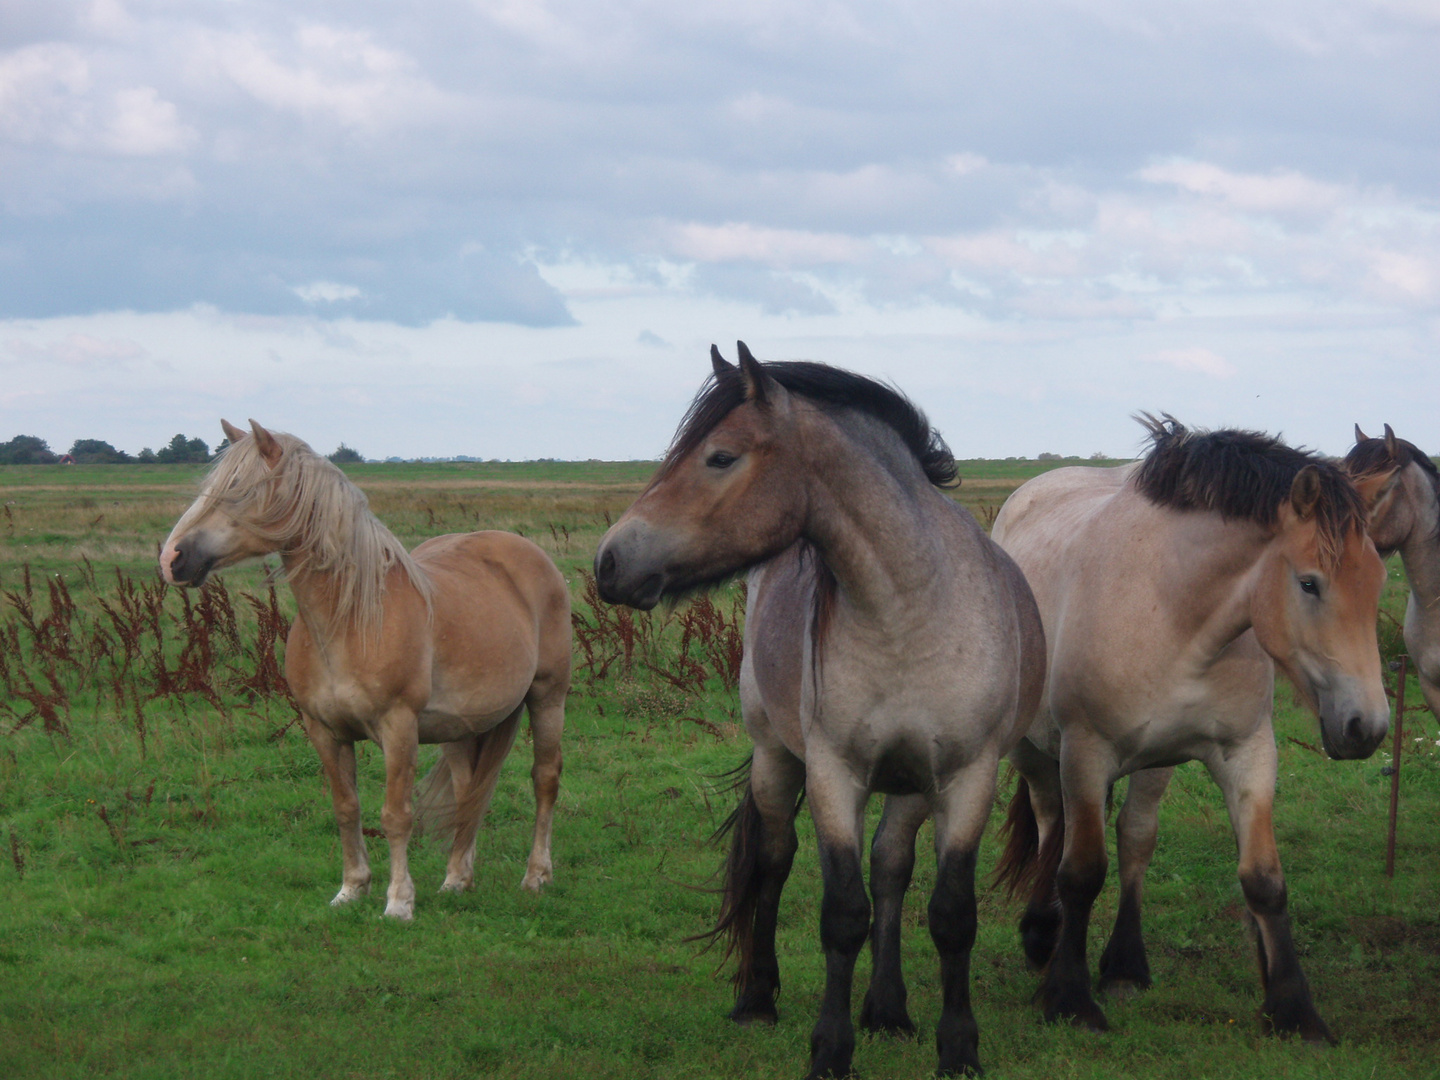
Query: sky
(513, 228)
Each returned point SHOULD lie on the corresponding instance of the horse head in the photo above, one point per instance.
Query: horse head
(216, 532)
(724, 498)
(1315, 608)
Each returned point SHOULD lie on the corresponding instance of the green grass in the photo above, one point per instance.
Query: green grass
(186, 932)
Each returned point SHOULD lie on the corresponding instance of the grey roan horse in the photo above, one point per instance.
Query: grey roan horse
(889, 647)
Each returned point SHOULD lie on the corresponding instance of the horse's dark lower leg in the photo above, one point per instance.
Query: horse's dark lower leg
(1124, 967)
(892, 860)
(1065, 990)
(1040, 923)
(844, 923)
(952, 928)
(1288, 1008)
(762, 848)
(757, 984)
(1248, 781)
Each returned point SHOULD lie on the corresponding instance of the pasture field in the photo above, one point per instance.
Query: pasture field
(167, 848)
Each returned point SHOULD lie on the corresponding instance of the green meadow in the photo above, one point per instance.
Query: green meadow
(168, 852)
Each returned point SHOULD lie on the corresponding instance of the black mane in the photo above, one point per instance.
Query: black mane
(1242, 474)
(830, 388)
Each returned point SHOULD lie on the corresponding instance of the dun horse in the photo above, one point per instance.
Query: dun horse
(1170, 590)
(1406, 518)
(448, 644)
(889, 646)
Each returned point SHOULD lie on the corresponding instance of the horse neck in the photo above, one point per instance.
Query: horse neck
(1420, 550)
(872, 515)
(1214, 567)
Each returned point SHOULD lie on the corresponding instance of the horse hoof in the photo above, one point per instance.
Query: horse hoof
(1302, 1021)
(400, 912)
(347, 895)
(535, 882)
(1080, 1010)
(1119, 989)
(756, 1007)
(455, 886)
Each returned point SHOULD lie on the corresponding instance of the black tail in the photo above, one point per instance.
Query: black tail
(744, 876)
(1025, 863)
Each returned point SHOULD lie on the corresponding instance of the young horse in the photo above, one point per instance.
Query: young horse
(1169, 590)
(445, 645)
(889, 646)
(1406, 518)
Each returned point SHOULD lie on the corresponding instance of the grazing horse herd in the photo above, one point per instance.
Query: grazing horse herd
(1116, 622)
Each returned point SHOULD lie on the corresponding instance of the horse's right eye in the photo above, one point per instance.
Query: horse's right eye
(721, 460)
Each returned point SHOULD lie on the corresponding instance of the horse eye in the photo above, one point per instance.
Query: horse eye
(1310, 586)
(720, 460)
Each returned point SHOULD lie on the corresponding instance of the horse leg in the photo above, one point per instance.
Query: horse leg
(547, 721)
(837, 805)
(1247, 777)
(1040, 922)
(338, 760)
(762, 849)
(892, 859)
(1065, 989)
(399, 737)
(1124, 968)
(960, 815)
(460, 758)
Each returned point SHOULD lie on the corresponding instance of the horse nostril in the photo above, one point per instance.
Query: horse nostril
(1355, 729)
(606, 569)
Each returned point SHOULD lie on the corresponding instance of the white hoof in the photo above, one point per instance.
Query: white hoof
(535, 880)
(398, 910)
(455, 885)
(348, 894)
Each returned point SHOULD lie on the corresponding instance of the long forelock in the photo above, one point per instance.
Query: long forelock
(306, 505)
(1245, 475)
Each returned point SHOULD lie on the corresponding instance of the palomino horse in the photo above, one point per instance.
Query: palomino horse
(447, 644)
(1169, 590)
(889, 646)
(1406, 518)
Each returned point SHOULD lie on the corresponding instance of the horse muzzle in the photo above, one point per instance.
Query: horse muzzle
(188, 564)
(1350, 728)
(627, 567)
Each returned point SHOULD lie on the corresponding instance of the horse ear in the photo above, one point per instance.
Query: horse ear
(1305, 492)
(719, 363)
(267, 444)
(758, 385)
(1392, 446)
(232, 433)
(1360, 436)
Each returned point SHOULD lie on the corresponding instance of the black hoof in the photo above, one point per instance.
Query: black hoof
(1039, 929)
(1287, 1018)
(959, 1047)
(1122, 989)
(754, 1007)
(964, 1066)
(1075, 1005)
(832, 1048)
(893, 1020)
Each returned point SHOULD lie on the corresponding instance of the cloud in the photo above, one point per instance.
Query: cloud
(1201, 361)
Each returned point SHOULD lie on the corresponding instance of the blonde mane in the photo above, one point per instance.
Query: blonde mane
(308, 508)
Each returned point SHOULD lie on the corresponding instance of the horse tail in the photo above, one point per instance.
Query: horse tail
(436, 807)
(1025, 862)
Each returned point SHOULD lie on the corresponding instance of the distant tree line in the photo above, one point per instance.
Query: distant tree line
(33, 450)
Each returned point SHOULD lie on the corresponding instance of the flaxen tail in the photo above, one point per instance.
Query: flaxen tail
(1025, 862)
(436, 806)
